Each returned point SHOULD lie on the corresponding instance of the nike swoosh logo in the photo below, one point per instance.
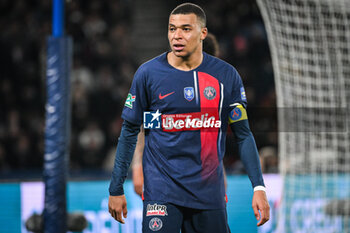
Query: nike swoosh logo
(166, 95)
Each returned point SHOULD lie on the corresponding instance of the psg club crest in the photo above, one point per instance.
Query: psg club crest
(155, 224)
(152, 120)
(236, 114)
(189, 93)
(209, 92)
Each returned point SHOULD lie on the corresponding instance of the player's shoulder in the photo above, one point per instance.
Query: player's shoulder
(221, 66)
(151, 64)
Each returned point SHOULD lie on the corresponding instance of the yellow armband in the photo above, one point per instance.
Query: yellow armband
(237, 114)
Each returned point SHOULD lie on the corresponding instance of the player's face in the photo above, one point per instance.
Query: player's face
(185, 34)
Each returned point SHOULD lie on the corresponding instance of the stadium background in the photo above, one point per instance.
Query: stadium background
(111, 39)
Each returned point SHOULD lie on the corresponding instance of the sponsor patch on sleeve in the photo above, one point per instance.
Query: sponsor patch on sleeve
(129, 100)
(237, 114)
(243, 96)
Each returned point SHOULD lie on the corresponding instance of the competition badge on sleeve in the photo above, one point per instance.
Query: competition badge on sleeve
(151, 120)
(129, 100)
(243, 96)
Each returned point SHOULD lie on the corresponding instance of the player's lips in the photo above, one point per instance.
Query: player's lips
(178, 47)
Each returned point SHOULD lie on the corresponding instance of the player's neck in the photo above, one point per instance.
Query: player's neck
(186, 63)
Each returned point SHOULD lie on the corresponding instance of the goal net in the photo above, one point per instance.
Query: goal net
(310, 47)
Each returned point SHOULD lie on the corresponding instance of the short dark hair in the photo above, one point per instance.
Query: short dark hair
(190, 8)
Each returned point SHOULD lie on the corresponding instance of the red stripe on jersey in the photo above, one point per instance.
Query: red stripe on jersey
(209, 92)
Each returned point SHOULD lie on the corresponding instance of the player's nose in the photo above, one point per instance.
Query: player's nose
(178, 34)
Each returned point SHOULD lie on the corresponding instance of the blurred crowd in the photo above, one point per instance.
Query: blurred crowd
(102, 73)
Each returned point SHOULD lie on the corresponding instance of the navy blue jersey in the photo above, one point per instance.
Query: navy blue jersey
(183, 165)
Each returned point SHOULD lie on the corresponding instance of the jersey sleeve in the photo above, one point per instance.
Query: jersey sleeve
(238, 100)
(238, 92)
(248, 152)
(238, 121)
(136, 102)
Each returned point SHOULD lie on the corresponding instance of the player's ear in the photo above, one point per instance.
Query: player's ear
(204, 33)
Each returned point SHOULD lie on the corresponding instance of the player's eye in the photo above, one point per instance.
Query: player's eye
(172, 29)
(187, 29)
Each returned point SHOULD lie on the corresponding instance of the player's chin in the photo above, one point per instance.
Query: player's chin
(180, 53)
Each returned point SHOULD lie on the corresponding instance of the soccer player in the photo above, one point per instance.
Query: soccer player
(193, 95)
(210, 46)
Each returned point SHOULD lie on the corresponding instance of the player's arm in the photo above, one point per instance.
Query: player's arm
(135, 104)
(225, 177)
(137, 173)
(123, 158)
(249, 155)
